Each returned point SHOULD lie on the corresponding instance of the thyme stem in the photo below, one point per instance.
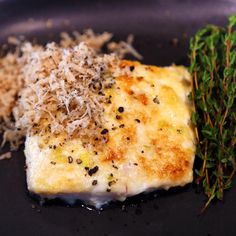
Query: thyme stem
(213, 66)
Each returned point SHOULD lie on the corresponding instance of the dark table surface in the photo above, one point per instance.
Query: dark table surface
(155, 24)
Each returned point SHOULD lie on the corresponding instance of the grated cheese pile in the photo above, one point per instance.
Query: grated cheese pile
(58, 87)
(11, 82)
(63, 89)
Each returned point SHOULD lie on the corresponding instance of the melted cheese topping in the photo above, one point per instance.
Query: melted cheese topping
(150, 142)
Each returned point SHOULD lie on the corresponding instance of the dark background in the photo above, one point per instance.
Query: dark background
(155, 24)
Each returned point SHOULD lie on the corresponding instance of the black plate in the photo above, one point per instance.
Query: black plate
(155, 24)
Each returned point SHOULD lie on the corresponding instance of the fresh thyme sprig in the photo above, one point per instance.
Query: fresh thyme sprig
(213, 66)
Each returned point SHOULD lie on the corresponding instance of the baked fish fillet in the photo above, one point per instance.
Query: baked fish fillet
(151, 143)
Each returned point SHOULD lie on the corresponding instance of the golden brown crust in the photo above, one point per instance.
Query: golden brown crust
(150, 142)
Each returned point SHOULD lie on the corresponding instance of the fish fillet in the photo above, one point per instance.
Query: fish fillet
(151, 143)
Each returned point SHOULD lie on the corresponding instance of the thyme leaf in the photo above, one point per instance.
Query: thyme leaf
(213, 66)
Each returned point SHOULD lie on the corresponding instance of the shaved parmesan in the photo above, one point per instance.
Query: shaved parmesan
(6, 155)
(58, 87)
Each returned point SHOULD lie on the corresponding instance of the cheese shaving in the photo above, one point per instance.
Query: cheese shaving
(10, 84)
(64, 90)
(122, 48)
(58, 87)
(6, 155)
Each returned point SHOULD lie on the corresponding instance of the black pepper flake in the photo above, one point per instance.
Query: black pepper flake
(50, 146)
(128, 138)
(101, 93)
(70, 159)
(86, 168)
(108, 190)
(54, 147)
(135, 164)
(114, 166)
(131, 68)
(97, 85)
(53, 162)
(113, 128)
(142, 151)
(179, 131)
(104, 131)
(118, 117)
(111, 175)
(137, 120)
(95, 182)
(121, 109)
(95, 152)
(93, 170)
(79, 161)
(156, 100)
(122, 126)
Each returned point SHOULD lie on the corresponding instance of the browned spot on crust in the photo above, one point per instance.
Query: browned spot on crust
(130, 132)
(129, 91)
(170, 161)
(126, 79)
(140, 78)
(154, 141)
(149, 68)
(167, 167)
(143, 99)
(114, 155)
(125, 63)
(143, 117)
(119, 143)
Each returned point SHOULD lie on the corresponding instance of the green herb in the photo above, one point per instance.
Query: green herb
(213, 66)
